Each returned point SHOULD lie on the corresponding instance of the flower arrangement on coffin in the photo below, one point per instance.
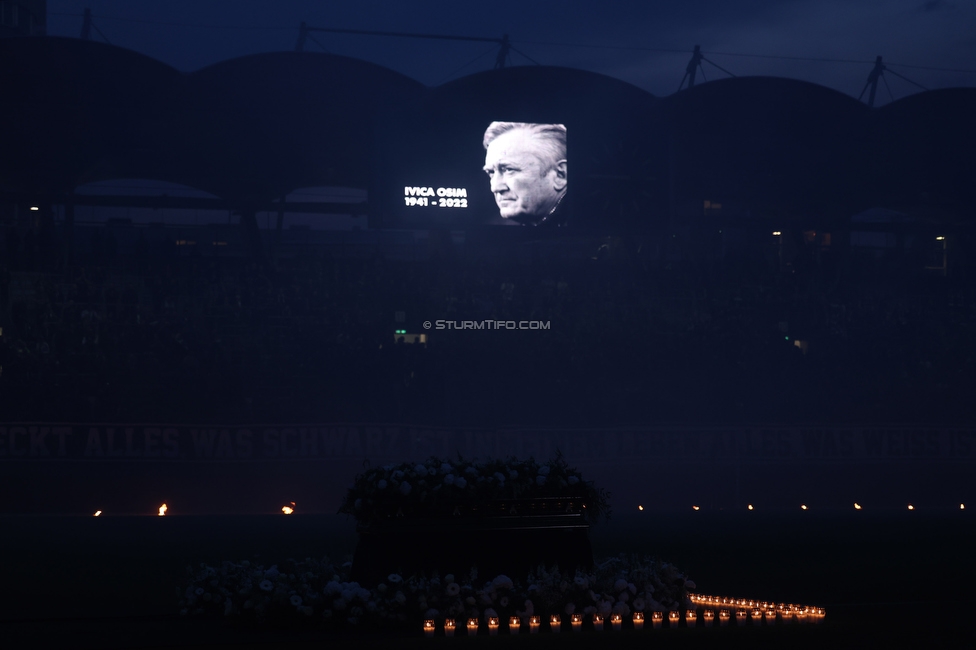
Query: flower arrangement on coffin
(319, 592)
(438, 487)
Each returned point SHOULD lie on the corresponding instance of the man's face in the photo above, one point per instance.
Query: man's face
(520, 184)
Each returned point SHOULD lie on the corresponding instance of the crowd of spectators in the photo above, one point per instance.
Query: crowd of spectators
(136, 336)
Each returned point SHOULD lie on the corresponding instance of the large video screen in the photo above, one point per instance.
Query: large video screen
(496, 174)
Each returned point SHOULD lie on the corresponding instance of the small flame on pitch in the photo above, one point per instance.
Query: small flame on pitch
(857, 506)
(803, 507)
(289, 509)
(641, 508)
(695, 508)
(750, 507)
(911, 507)
(162, 510)
(98, 513)
(962, 506)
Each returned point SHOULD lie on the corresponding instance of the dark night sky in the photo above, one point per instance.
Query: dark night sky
(645, 43)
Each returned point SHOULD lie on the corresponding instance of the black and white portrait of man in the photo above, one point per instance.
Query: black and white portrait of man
(526, 167)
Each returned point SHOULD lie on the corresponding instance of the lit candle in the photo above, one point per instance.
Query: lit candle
(577, 622)
(492, 625)
(514, 623)
(656, 619)
(598, 622)
(534, 623)
(802, 614)
(820, 614)
(723, 617)
(691, 617)
(770, 616)
(709, 617)
(449, 626)
(756, 617)
(555, 623)
(673, 618)
(616, 621)
(638, 620)
(429, 627)
(740, 617)
(472, 626)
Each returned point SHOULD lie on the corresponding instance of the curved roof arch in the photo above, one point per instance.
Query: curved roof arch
(78, 111)
(262, 125)
(769, 141)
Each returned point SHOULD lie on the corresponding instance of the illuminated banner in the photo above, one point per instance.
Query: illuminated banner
(495, 173)
(389, 443)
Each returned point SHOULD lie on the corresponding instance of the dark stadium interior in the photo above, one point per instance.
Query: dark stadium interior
(751, 323)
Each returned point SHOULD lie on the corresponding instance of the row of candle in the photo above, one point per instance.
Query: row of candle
(802, 614)
(765, 609)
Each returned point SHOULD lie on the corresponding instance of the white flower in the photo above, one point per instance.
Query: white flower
(272, 572)
(398, 474)
(621, 608)
(460, 482)
(544, 470)
(540, 480)
(490, 613)
(529, 607)
(638, 604)
(624, 596)
(394, 578)
(362, 594)
(449, 479)
(472, 471)
(449, 578)
(513, 474)
(266, 585)
(332, 588)
(199, 591)
(573, 480)
(470, 601)
(503, 601)
(589, 611)
(405, 488)
(453, 589)
(499, 477)
(381, 484)
(431, 613)
(632, 587)
(620, 585)
(570, 609)
(420, 470)
(446, 468)
(581, 582)
(400, 597)
(502, 582)
(432, 471)
(689, 584)
(295, 600)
